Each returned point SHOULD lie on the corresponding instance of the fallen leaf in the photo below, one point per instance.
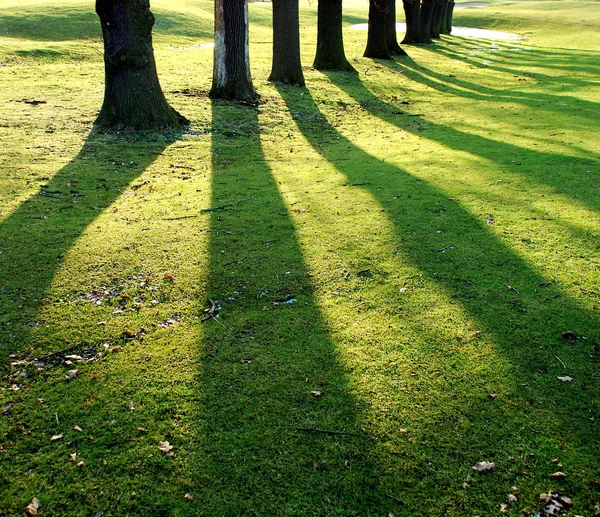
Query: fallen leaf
(483, 465)
(317, 393)
(164, 446)
(558, 474)
(80, 464)
(73, 456)
(566, 500)
(131, 406)
(72, 374)
(566, 378)
(32, 507)
(56, 437)
(504, 508)
(142, 430)
(512, 498)
(74, 357)
(7, 409)
(189, 497)
(465, 486)
(78, 429)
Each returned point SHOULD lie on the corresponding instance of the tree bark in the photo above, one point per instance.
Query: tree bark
(286, 67)
(376, 40)
(436, 20)
(231, 65)
(133, 98)
(426, 20)
(390, 30)
(444, 17)
(330, 42)
(449, 15)
(412, 13)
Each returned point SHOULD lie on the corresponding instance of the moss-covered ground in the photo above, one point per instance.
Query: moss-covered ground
(335, 304)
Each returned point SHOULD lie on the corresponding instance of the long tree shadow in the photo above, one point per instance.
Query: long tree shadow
(269, 371)
(579, 111)
(534, 166)
(35, 237)
(522, 312)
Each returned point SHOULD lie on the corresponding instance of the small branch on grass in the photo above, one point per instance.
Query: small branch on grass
(236, 261)
(178, 218)
(215, 209)
(561, 362)
(450, 246)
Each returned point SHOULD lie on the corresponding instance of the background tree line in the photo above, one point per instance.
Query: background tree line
(133, 97)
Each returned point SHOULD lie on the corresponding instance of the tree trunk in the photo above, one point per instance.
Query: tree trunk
(231, 65)
(330, 42)
(412, 13)
(426, 20)
(376, 40)
(286, 67)
(449, 15)
(390, 30)
(133, 98)
(443, 18)
(436, 22)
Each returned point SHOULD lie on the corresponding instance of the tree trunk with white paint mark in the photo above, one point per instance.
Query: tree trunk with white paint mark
(231, 66)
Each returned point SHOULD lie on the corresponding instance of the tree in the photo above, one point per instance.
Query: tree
(390, 30)
(286, 67)
(133, 98)
(412, 13)
(449, 14)
(426, 20)
(231, 65)
(377, 39)
(330, 42)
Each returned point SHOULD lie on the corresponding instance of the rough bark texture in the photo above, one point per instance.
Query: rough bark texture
(436, 21)
(376, 40)
(412, 13)
(443, 18)
(426, 20)
(231, 65)
(133, 98)
(390, 30)
(330, 42)
(449, 15)
(286, 68)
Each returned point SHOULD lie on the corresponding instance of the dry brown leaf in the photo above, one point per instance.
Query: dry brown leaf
(73, 456)
(483, 465)
(80, 464)
(56, 437)
(165, 447)
(189, 497)
(33, 507)
(77, 428)
(566, 378)
(558, 474)
(72, 374)
(142, 430)
(317, 393)
(512, 498)
(504, 508)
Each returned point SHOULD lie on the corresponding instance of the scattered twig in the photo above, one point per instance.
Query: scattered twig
(214, 209)
(237, 261)
(399, 501)
(450, 246)
(180, 217)
(561, 362)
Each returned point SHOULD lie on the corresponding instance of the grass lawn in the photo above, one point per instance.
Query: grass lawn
(403, 266)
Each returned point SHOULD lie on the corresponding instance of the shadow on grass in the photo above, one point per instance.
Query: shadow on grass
(475, 269)
(580, 111)
(269, 367)
(35, 237)
(536, 167)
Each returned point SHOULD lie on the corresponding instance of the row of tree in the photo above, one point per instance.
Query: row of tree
(133, 97)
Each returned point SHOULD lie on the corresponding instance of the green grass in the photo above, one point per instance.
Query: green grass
(434, 219)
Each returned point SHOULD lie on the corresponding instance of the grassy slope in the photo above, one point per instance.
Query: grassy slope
(435, 219)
